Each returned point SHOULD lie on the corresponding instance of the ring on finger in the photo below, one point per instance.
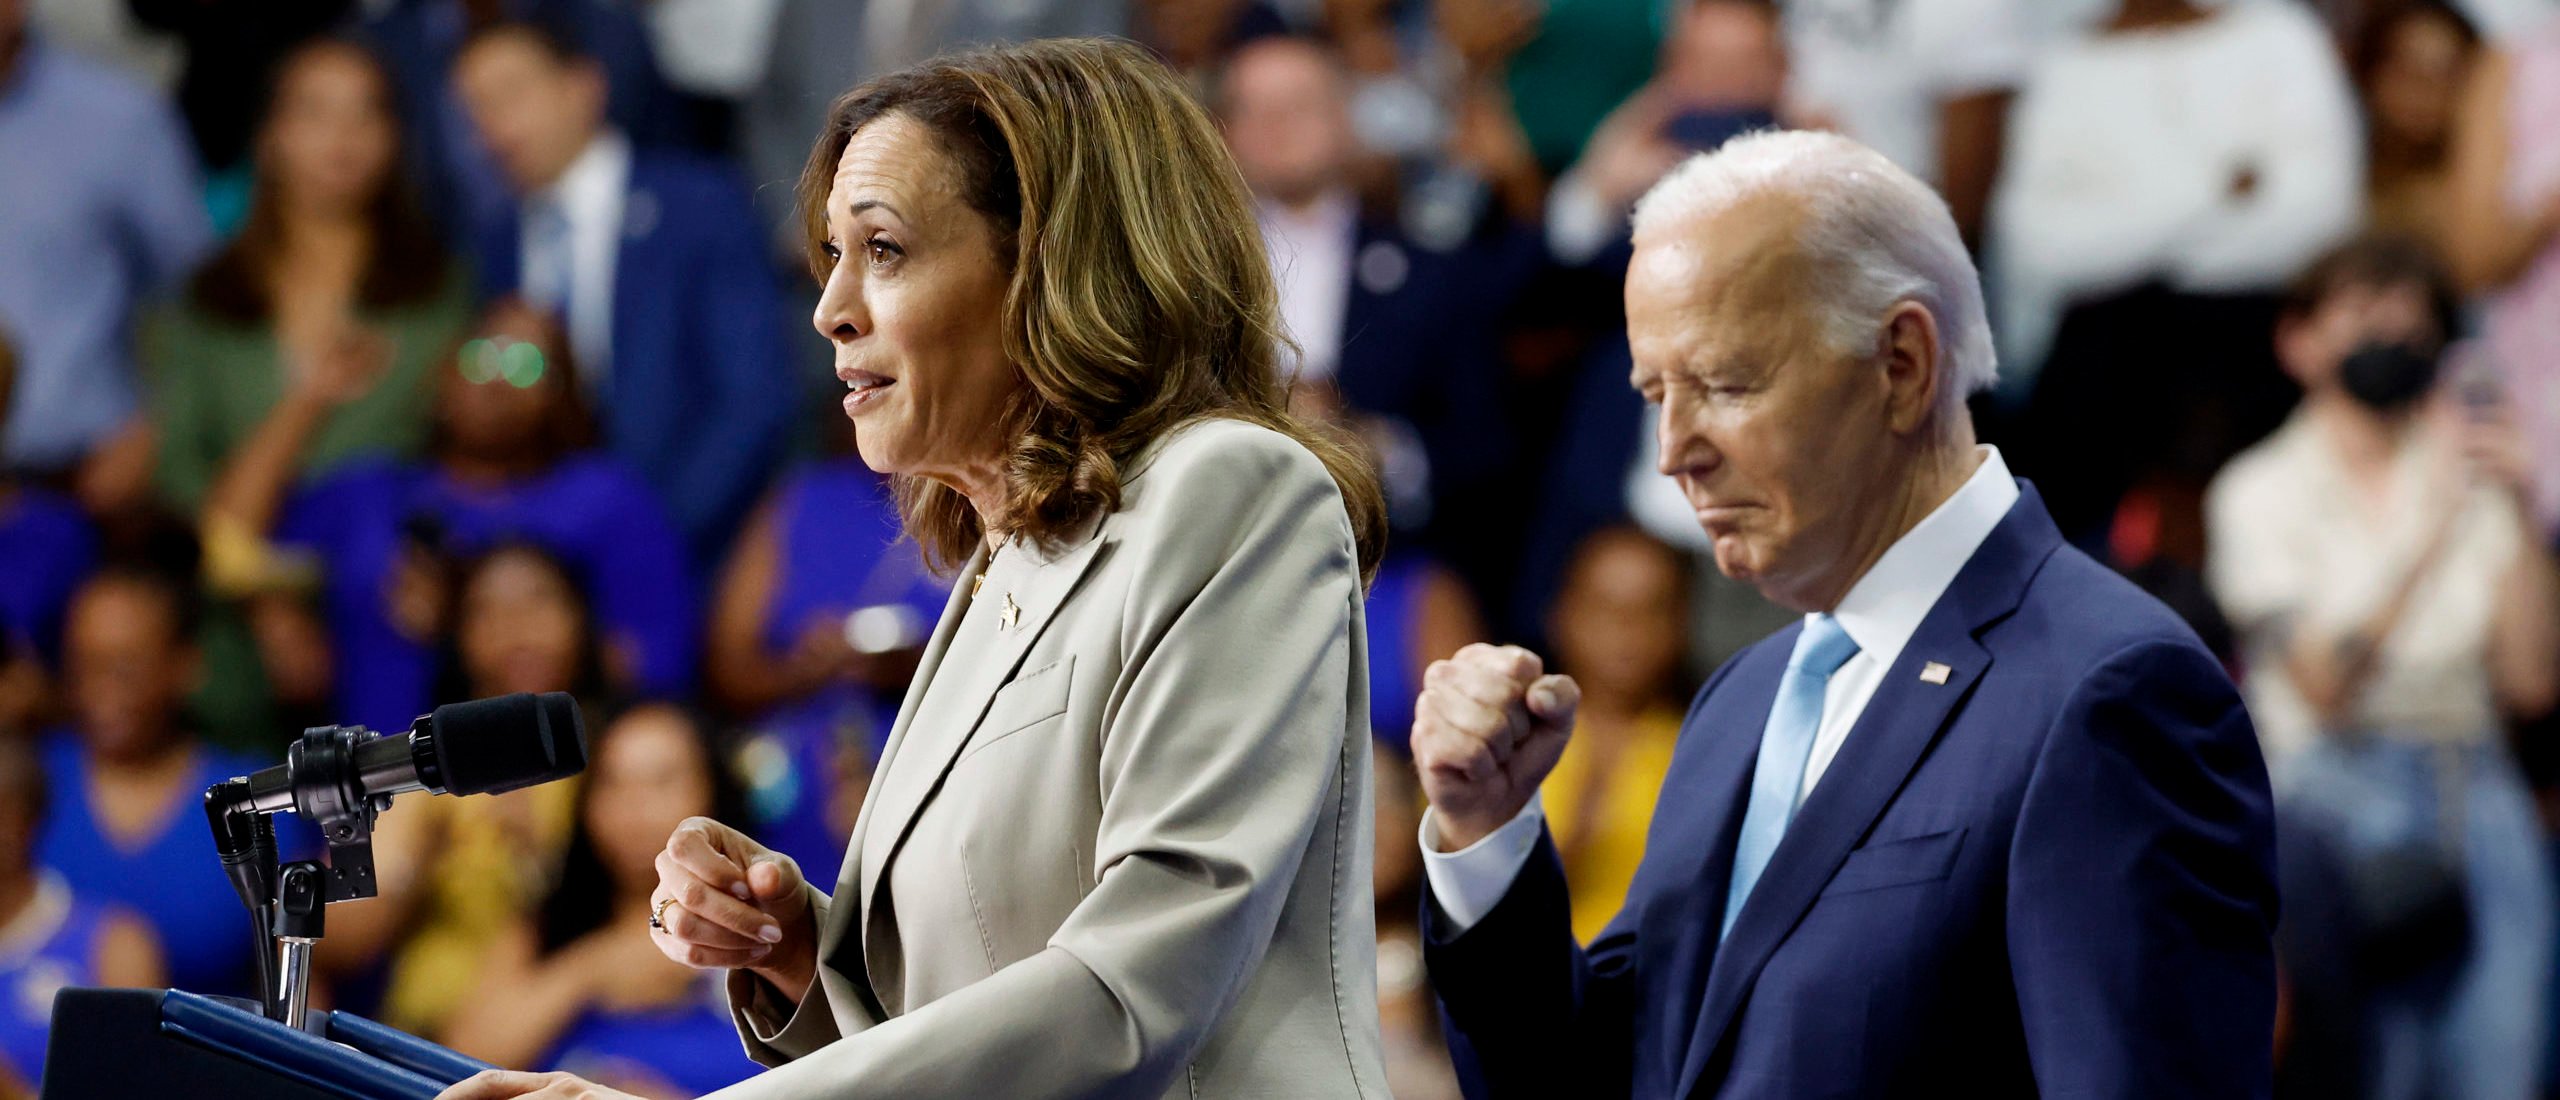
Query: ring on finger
(658, 915)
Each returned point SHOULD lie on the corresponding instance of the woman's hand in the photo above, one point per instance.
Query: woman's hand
(729, 903)
(342, 368)
(508, 1084)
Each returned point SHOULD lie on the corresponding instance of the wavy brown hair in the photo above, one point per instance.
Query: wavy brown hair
(1139, 298)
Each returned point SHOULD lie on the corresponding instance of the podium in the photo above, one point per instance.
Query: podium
(155, 1042)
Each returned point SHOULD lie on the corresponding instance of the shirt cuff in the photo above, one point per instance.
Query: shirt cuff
(1469, 882)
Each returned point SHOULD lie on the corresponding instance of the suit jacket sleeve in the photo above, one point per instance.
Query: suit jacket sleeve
(776, 1030)
(1217, 767)
(2141, 906)
(1530, 1012)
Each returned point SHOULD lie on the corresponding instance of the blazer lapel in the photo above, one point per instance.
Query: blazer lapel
(958, 694)
(953, 608)
(1901, 720)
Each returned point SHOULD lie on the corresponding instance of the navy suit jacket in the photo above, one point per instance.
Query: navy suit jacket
(2051, 874)
(699, 394)
(1418, 344)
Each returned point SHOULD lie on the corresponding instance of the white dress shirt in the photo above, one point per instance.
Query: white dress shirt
(1310, 254)
(1881, 612)
(591, 194)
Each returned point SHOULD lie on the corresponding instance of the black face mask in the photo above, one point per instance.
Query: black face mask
(2387, 376)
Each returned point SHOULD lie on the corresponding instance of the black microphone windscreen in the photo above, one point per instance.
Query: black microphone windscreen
(487, 746)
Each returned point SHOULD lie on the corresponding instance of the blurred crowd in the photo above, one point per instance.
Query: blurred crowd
(363, 355)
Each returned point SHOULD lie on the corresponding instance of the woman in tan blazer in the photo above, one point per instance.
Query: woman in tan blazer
(1118, 843)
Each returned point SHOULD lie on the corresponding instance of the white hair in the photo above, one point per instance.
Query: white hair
(1877, 237)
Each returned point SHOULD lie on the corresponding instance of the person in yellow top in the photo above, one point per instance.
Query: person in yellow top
(1618, 628)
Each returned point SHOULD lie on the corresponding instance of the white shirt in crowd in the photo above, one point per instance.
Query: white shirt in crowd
(1310, 254)
(2218, 157)
(1880, 69)
(1880, 613)
(2297, 547)
(590, 195)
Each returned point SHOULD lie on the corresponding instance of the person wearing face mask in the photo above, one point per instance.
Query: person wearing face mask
(2373, 558)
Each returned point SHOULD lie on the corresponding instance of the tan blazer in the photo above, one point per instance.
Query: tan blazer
(1119, 841)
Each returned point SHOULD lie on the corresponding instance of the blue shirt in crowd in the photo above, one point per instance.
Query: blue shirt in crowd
(49, 960)
(171, 879)
(590, 510)
(50, 547)
(686, 1049)
(99, 208)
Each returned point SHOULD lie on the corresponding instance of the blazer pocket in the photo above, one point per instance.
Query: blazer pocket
(1030, 699)
(1902, 862)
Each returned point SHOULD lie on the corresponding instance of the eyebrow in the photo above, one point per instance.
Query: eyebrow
(870, 204)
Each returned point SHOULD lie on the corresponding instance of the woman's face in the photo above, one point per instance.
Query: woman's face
(1620, 621)
(648, 776)
(2421, 72)
(914, 304)
(520, 629)
(497, 394)
(330, 136)
(127, 667)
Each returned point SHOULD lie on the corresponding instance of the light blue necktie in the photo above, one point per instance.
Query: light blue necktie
(548, 281)
(1785, 743)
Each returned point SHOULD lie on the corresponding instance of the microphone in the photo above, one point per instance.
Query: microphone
(485, 746)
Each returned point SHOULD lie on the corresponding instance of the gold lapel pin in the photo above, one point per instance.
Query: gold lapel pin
(1012, 612)
(1935, 673)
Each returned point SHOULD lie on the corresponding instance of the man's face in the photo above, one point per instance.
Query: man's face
(1288, 119)
(1782, 444)
(534, 112)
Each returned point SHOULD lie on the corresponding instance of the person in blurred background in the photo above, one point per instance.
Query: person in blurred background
(508, 459)
(1618, 629)
(2505, 238)
(331, 306)
(2374, 557)
(419, 39)
(1926, 82)
(2164, 178)
(821, 613)
(98, 210)
(1724, 71)
(50, 546)
(655, 262)
(2410, 63)
(50, 937)
(456, 873)
(575, 984)
(307, 341)
(124, 822)
(1402, 333)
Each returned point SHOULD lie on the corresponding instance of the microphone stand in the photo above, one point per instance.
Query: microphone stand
(289, 904)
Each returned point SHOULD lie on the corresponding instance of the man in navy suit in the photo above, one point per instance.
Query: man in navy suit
(655, 261)
(1402, 333)
(1988, 822)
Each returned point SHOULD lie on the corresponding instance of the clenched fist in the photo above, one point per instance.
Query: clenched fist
(1486, 731)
